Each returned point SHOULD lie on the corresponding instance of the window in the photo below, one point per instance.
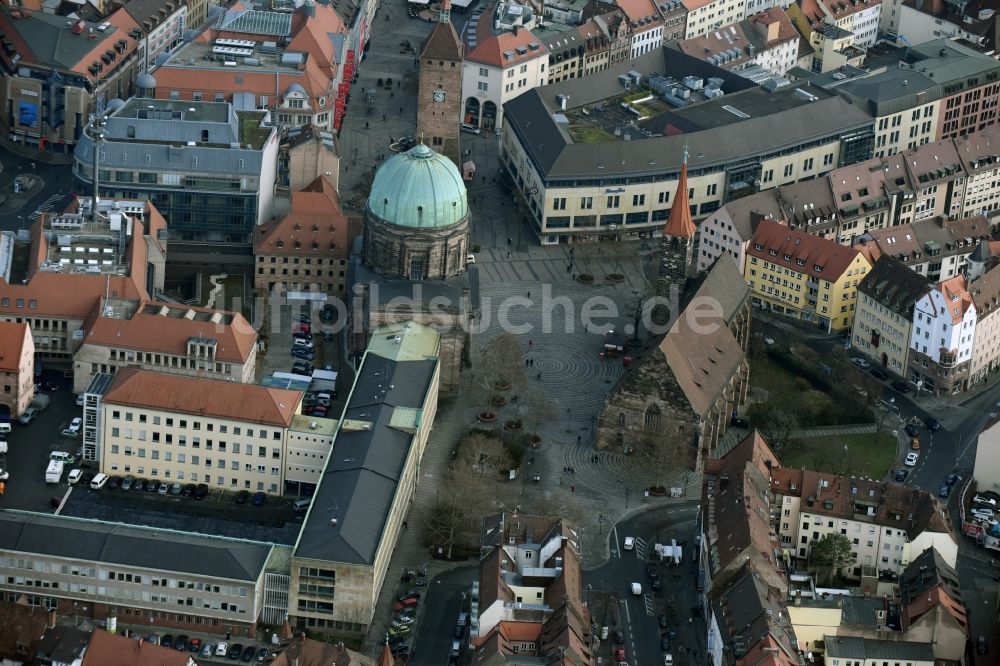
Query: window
(613, 201)
(586, 203)
(483, 72)
(788, 170)
(559, 204)
(638, 199)
(483, 86)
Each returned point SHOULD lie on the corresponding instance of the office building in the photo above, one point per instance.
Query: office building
(339, 562)
(583, 173)
(208, 167)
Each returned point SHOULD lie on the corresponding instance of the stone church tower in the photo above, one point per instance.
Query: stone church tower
(439, 96)
(677, 244)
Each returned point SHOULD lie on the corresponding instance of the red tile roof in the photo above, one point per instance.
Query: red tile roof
(206, 397)
(954, 290)
(642, 14)
(12, 337)
(112, 650)
(491, 49)
(801, 252)
(315, 226)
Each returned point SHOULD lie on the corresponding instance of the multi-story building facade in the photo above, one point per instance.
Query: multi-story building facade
(804, 276)
(207, 166)
(189, 430)
(162, 24)
(707, 15)
(985, 291)
(56, 71)
(340, 559)
(307, 249)
(17, 366)
(289, 64)
(582, 181)
(884, 319)
(888, 525)
(498, 69)
(161, 337)
(937, 248)
(943, 336)
(767, 40)
(646, 25)
(97, 570)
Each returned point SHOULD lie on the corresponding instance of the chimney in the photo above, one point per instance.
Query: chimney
(516, 26)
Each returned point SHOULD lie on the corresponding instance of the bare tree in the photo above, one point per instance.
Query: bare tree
(665, 445)
(460, 502)
(539, 411)
(485, 455)
(776, 422)
(503, 364)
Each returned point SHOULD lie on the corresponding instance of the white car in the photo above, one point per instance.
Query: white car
(629, 543)
(636, 589)
(768, 340)
(982, 514)
(470, 259)
(74, 427)
(911, 458)
(668, 659)
(79, 400)
(4, 475)
(3, 446)
(74, 475)
(861, 363)
(984, 499)
(221, 649)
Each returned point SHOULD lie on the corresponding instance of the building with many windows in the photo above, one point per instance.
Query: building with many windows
(884, 318)
(941, 344)
(178, 429)
(707, 15)
(17, 366)
(340, 559)
(767, 39)
(209, 168)
(499, 68)
(804, 276)
(97, 570)
(583, 173)
(307, 249)
(985, 291)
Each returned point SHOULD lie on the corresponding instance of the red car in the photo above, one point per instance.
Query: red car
(409, 602)
(620, 654)
(302, 328)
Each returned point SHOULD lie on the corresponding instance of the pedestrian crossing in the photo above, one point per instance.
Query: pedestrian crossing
(46, 206)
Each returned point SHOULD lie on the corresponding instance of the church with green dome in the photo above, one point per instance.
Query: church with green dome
(417, 217)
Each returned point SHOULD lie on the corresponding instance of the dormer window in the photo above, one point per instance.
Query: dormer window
(758, 246)
(281, 243)
(773, 253)
(817, 268)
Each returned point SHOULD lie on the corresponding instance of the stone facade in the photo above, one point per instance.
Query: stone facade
(415, 254)
(17, 367)
(439, 90)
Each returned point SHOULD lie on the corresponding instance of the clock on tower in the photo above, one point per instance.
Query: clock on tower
(439, 95)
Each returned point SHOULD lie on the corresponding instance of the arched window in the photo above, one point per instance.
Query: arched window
(652, 418)
(621, 418)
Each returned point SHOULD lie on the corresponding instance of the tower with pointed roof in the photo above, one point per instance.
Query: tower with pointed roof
(439, 94)
(677, 244)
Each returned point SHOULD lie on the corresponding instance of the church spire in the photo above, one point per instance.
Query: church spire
(444, 12)
(679, 224)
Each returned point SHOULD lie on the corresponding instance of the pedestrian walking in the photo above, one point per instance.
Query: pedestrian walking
(529, 294)
(508, 254)
(509, 241)
(384, 118)
(572, 276)
(569, 268)
(577, 439)
(391, 95)
(366, 124)
(401, 110)
(539, 376)
(529, 340)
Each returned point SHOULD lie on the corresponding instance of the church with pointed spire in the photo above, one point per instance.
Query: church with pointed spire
(439, 90)
(676, 400)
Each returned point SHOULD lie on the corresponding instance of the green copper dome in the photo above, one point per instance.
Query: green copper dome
(419, 189)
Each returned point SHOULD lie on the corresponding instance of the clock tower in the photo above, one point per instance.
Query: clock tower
(439, 97)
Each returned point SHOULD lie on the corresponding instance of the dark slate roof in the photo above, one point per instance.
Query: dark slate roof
(892, 284)
(360, 480)
(778, 121)
(928, 570)
(131, 546)
(853, 647)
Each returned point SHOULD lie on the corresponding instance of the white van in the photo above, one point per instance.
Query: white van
(99, 481)
(53, 474)
(74, 475)
(456, 648)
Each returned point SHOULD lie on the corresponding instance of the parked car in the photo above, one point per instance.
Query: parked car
(114, 482)
(242, 496)
(128, 482)
(302, 368)
(73, 429)
(249, 652)
(664, 623)
(619, 654)
(944, 490)
(664, 643)
(152, 486)
(258, 499)
(200, 491)
(302, 318)
(861, 363)
(303, 354)
(50, 385)
(74, 476)
(163, 489)
(181, 642)
(194, 645)
(222, 649)
(879, 374)
(208, 649)
(618, 636)
(901, 475)
(952, 479)
(932, 424)
(301, 335)
(188, 490)
(262, 654)
(636, 589)
(737, 422)
(911, 458)
(901, 386)
(629, 543)
(78, 401)
(911, 430)
(981, 645)
(175, 489)
(983, 498)
(235, 651)
(167, 640)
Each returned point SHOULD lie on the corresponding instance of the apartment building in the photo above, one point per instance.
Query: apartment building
(579, 180)
(529, 596)
(943, 336)
(888, 525)
(162, 337)
(707, 15)
(188, 430)
(767, 39)
(307, 249)
(95, 570)
(297, 65)
(498, 69)
(339, 561)
(985, 291)
(876, 652)
(937, 248)
(209, 167)
(883, 323)
(76, 260)
(646, 25)
(804, 276)
(55, 69)
(163, 25)
(614, 24)
(17, 366)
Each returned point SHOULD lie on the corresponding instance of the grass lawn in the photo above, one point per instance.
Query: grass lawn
(767, 374)
(868, 455)
(234, 293)
(587, 133)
